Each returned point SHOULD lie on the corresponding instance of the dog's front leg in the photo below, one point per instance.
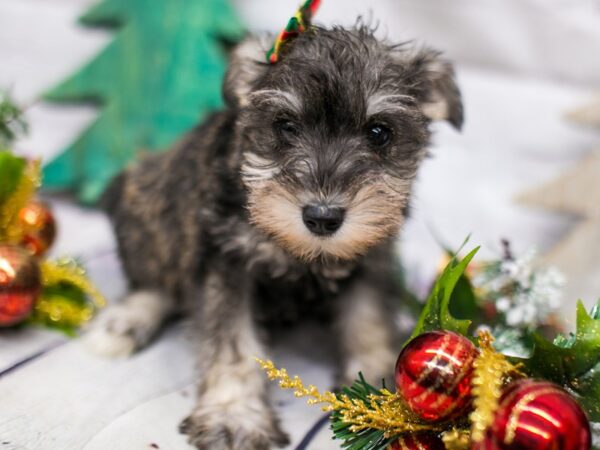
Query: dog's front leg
(232, 410)
(365, 325)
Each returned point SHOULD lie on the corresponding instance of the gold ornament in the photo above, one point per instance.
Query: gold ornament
(38, 227)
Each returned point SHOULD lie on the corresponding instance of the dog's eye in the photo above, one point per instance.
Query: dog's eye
(286, 129)
(379, 135)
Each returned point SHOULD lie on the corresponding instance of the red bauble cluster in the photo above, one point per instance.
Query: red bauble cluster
(537, 415)
(418, 442)
(20, 279)
(434, 373)
(20, 284)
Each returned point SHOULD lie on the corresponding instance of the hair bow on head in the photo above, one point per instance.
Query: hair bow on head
(299, 23)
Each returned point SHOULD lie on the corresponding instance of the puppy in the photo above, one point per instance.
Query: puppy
(283, 206)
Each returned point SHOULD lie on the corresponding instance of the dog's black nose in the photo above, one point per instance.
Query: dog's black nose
(322, 220)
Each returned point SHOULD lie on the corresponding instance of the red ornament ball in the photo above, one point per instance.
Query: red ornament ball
(434, 373)
(20, 284)
(537, 415)
(39, 227)
(418, 442)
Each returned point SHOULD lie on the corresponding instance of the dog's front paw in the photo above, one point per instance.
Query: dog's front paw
(123, 328)
(223, 427)
(116, 332)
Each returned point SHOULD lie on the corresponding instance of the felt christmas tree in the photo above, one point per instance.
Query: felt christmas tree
(158, 78)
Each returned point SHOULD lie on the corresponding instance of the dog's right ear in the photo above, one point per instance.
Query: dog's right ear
(247, 66)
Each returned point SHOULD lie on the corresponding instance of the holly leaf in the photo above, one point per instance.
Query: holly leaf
(573, 362)
(436, 313)
(11, 171)
(463, 302)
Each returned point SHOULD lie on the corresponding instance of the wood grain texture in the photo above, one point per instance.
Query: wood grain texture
(60, 401)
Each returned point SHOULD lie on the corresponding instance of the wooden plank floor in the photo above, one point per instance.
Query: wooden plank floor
(56, 396)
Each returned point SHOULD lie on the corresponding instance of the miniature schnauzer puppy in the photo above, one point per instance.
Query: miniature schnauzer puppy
(285, 205)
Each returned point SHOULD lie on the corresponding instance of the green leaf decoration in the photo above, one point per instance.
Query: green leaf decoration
(572, 362)
(463, 302)
(11, 171)
(436, 313)
(155, 81)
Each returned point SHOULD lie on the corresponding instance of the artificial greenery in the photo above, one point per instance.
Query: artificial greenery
(572, 361)
(370, 439)
(436, 312)
(11, 121)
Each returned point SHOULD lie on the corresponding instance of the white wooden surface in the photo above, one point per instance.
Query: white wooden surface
(55, 396)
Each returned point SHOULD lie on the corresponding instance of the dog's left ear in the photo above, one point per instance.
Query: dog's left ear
(247, 66)
(436, 88)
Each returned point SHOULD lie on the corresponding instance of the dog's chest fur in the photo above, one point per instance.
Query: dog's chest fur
(304, 291)
(287, 289)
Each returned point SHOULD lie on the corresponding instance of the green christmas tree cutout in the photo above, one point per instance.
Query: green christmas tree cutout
(158, 78)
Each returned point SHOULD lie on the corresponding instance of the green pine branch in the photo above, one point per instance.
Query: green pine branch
(12, 123)
(369, 439)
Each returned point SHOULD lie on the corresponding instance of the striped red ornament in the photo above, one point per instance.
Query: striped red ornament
(418, 442)
(433, 374)
(537, 415)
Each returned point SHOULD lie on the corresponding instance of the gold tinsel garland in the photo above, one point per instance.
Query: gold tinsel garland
(384, 411)
(68, 271)
(492, 371)
(59, 309)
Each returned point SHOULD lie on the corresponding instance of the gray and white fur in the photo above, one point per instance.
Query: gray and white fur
(283, 206)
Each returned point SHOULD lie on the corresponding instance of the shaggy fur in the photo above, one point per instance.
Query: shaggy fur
(216, 224)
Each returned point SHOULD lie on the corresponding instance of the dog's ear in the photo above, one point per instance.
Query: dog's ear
(248, 65)
(436, 88)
